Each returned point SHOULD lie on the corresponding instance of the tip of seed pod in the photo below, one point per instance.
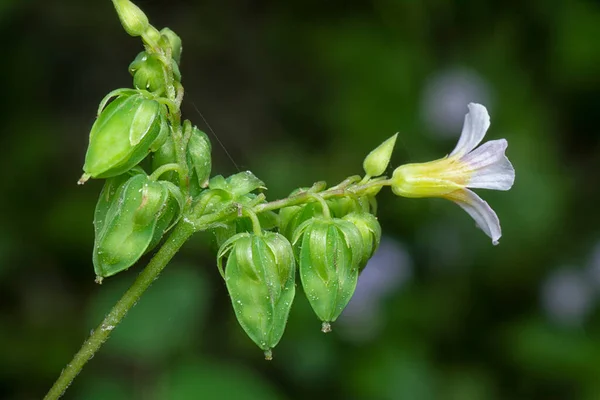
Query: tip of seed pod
(83, 179)
(99, 280)
(268, 355)
(326, 327)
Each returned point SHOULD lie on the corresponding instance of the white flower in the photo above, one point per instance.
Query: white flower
(484, 167)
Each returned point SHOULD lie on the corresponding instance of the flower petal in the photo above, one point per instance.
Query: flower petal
(491, 168)
(480, 211)
(477, 122)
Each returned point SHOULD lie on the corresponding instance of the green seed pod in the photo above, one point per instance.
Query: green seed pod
(175, 43)
(329, 252)
(124, 133)
(147, 72)
(128, 225)
(370, 231)
(198, 157)
(259, 275)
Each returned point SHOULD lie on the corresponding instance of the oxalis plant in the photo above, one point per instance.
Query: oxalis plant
(158, 185)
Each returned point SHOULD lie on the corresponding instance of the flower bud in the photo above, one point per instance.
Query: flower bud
(175, 43)
(329, 252)
(198, 157)
(377, 160)
(126, 228)
(126, 130)
(260, 275)
(370, 231)
(133, 19)
(147, 72)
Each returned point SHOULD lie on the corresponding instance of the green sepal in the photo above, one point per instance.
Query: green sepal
(218, 182)
(141, 124)
(110, 191)
(176, 71)
(260, 275)
(171, 214)
(370, 231)
(166, 155)
(174, 192)
(329, 252)
(154, 199)
(238, 185)
(128, 226)
(163, 133)
(117, 92)
(213, 200)
(110, 152)
(165, 222)
(174, 42)
(198, 157)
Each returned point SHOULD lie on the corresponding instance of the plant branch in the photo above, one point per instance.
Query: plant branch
(342, 189)
(160, 260)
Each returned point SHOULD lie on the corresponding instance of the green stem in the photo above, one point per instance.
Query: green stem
(256, 228)
(180, 154)
(324, 206)
(348, 181)
(165, 168)
(179, 236)
(173, 101)
(306, 196)
(230, 212)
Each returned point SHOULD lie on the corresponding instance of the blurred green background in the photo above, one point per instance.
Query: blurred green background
(299, 91)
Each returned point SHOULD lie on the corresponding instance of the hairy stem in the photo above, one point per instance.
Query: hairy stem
(307, 196)
(179, 236)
